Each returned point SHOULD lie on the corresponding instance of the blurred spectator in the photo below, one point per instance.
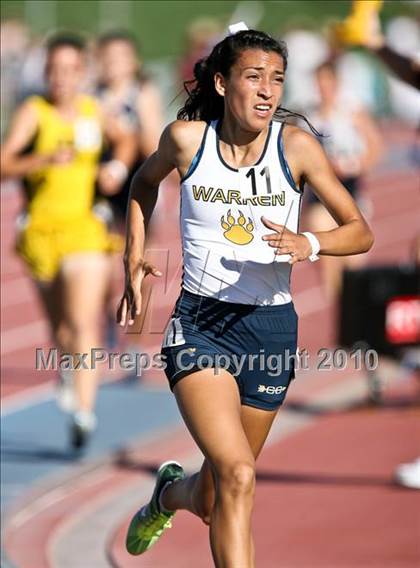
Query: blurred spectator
(307, 50)
(32, 78)
(364, 78)
(352, 141)
(403, 37)
(362, 27)
(15, 39)
(201, 35)
(399, 50)
(356, 71)
(54, 144)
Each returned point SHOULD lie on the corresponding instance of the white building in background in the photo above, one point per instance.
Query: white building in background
(307, 50)
(403, 35)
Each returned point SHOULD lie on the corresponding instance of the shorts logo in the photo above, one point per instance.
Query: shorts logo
(271, 389)
(174, 334)
(236, 231)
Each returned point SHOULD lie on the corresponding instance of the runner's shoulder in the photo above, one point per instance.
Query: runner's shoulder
(185, 135)
(295, 136)
(26, 119)
(298, 141)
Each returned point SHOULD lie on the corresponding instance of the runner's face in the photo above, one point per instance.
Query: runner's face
(65, 70)
(327, 84)
(118, 61)
(254, 88)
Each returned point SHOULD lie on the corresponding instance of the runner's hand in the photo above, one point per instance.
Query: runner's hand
(130, 304)
(109, 184)
(62, 156)
(286, 242)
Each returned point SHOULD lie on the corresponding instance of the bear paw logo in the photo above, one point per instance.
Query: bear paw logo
(237, 231)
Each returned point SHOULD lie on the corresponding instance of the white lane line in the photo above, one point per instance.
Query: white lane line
(51, 498)
(29, 397)
(86, 475)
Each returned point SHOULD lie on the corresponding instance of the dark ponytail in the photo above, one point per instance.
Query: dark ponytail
(203, 102)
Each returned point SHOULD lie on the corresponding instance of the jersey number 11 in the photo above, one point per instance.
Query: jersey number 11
(264, 172)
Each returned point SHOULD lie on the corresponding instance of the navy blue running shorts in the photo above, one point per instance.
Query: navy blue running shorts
(256, 344)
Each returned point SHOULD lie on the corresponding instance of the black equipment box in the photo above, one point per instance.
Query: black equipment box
(380, 306)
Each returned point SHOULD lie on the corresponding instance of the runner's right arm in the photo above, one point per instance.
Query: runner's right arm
(21, 133)
(143, 196)
(177, 146)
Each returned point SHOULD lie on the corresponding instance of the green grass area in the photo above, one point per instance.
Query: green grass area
(160, 25)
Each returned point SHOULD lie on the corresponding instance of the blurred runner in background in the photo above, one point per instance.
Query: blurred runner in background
(54, 144)
(130, 100)
(353, 143)
(132, 103)
(200, 37)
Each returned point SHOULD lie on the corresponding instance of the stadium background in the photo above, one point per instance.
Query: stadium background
(169, 19)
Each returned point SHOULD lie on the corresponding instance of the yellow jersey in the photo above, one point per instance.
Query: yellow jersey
(60, 193)
(60, 219)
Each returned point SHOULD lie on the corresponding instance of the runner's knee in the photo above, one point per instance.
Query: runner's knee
(237, 479)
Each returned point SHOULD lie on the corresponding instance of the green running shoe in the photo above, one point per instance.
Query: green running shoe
(148, 524)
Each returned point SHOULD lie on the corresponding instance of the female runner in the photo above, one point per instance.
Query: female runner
(352, 142)
(54, 144)
(242, 173)
(130, 100)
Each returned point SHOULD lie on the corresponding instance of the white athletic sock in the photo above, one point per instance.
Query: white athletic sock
(85, 419)
(65, 391)
(161, 507)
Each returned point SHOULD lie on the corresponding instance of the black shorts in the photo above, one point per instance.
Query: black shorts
(256, 344)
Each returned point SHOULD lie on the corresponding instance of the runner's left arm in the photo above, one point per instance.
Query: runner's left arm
(372, 138)
(112, 174)
(353, 235)
(149, 108)
(310, 163)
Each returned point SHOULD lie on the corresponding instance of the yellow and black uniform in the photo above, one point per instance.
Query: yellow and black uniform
(60, 196)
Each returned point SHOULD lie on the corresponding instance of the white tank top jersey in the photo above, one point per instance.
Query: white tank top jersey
(342, 139)
(221, 208)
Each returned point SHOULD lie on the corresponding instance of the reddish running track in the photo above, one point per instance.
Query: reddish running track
(321, 501)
